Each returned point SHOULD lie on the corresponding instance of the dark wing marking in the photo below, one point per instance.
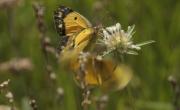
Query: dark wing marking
(59, 16)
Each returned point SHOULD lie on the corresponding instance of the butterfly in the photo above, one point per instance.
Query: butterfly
(104, 73)
(75, 33)
(75, 30)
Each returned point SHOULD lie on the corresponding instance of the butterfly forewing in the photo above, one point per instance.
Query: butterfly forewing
(69, 24)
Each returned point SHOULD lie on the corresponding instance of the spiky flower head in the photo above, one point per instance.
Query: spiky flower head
(118, 40)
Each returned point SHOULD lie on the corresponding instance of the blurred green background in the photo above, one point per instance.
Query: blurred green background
(149, 89)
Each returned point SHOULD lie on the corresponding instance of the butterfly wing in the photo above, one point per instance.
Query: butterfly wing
(104, 73)
(91, 77)
(69, 25)
(115, 78)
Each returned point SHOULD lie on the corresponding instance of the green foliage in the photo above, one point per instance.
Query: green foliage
(149, 89)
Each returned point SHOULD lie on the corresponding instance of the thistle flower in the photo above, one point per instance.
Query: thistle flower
(116, 39)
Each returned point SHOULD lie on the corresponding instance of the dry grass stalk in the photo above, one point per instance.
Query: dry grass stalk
(86, 99)
(8, 3)
(81, 75)
(33, 104)
(7, 93)
(101, 102)
(6, 107)
(176, 90)
(16, 65)
(46, 45)
(45, 41)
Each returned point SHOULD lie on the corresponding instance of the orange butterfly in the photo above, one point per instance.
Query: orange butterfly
(75, 34)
